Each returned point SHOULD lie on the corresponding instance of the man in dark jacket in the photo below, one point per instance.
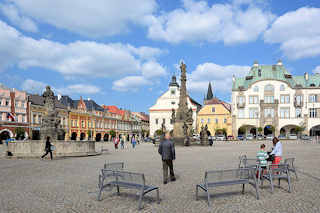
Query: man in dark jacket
(167, 152)
(47, 148)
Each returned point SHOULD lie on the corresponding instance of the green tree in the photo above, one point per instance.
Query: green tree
(112, 133)
(299, 129)
(19, 131)
(158, 132)
(260, 129)
(89, 134)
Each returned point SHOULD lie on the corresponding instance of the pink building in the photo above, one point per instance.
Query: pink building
(14, 109)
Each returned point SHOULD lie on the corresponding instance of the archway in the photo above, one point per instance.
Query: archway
(268, 130)
(35, 135)
(293, 131)
(4, 136)
(289, 129)
(74, 136)
(315, 131)
(253, 131)
(283, 132)
(98, 137)
(106, 137)
(82, 136)
(242, 130)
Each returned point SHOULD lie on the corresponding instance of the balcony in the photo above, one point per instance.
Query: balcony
(241, 105)
(298, 104)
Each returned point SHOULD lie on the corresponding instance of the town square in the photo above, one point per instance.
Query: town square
(159, 106)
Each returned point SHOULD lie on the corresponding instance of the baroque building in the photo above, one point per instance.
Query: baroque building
(14, 114)
(271, 99)
(216, 114)
(161, 111)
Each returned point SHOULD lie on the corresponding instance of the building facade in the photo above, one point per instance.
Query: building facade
(216, 114)
(161, 112)
(270, 99)
(14, 115)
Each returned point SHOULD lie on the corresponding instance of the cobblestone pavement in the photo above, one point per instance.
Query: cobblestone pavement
(70, 184)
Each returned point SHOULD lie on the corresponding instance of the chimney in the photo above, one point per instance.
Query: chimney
(279, 63)
(256, 63)
(306, 76)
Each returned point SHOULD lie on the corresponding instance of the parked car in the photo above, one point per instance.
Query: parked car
(240, 137)
(196, 137)
(282, 137)
(230, 138)
(260, 137)
(293, 137)
(147, 139)
(269, 137)
(220, 138)
(306, 137)
(249, 137)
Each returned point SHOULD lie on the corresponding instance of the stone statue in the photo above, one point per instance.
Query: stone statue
(204, 135)
(173, 115)
(50, 125)
(185, 129)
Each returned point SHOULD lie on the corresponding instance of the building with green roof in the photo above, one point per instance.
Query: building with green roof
(271, 99)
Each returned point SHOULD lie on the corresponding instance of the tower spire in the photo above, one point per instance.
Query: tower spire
(209, 93)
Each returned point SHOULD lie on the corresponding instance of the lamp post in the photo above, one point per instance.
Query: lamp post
(257, 118)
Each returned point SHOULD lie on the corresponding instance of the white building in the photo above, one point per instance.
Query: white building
(271, 98)
(162, 110)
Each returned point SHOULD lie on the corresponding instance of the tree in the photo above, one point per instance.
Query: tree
(259, 129)
(19, 131)
(221, 131)
(242, 130)
(300, 129)
(112, 133)
(89, 134)
(158, 132)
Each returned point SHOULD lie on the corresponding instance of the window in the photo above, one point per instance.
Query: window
(163, 120)
(202, 121)
(173, 103)
(217, 121)
(157, 121)
(225, 120)
(171, 121)
(82, 124)
(269, 87)
(213, 109)
(259, 72)
(312, 98)
(313, 113)
(298, 99)
(208, 120)
(269, 112)
(284, 113)
(298, 113)
(269, 99)
(7, 102)
(256, 89)
(34, 117)
(253, 113)
(253, 99)
(284, 99)
(23, 118)
(282, 88)
(241, 99)
(173, 92)
(39, 119)
(241, 113)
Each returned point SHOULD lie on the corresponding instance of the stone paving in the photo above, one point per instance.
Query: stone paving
(70, 184)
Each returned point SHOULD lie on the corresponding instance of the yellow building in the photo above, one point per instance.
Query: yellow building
(216, 114)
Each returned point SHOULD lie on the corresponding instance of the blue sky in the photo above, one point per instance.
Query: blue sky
(123, 53)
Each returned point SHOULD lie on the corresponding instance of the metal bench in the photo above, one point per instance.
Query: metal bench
(291, 166)
(247, 162)
(228, 177)
(126, 180)
(277, 171)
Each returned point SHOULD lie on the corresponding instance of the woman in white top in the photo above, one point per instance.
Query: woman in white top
(277, 151)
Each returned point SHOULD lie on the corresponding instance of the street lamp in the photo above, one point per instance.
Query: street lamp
(257, 119)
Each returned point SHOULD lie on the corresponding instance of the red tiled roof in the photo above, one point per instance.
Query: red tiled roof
(218, 101)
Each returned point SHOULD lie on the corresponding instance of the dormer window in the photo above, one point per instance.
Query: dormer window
(282, 88)
(269, 87)
(256, 89)
(259, 72)
(173, 92)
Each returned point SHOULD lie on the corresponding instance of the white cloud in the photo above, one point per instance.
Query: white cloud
(79, 89)
(220, 76)
(90, 18)
(316, 70)
(197, 21)
(37, 87)
(23, 22)
(130, 83)
(80, 58)
(297, 32)
(32, 86)
(152, 69)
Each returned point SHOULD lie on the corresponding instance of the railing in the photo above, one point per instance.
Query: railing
(298, 104)
(241, 105)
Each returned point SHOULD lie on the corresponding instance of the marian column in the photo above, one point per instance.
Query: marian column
(183, 118)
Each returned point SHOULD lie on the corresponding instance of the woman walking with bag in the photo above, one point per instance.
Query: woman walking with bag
(48, 148)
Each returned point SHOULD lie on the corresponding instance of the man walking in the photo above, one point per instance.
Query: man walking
(167, 152)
